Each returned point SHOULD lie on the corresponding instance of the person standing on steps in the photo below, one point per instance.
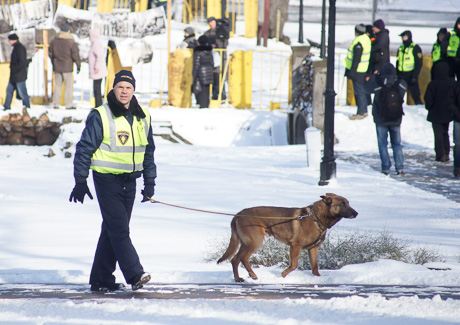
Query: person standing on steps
(117, 144)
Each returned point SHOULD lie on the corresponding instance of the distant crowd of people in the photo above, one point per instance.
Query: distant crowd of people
(208, 64)
(64, 55)
(368, 66)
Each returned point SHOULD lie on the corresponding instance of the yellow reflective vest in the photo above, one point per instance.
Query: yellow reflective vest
(406, 60)
(123, 146)
(365, 56)
(454, 43)
(436, 53)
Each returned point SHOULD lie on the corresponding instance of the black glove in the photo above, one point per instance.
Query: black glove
(78, 70)
(413, 81)
(147, 192)
(79, 191)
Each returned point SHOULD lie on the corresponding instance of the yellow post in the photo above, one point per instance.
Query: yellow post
(423, 79)
(105, 6)
(214, 9)
(45, 63)
(250, 18)
(240, 79)
(65, 2)
(141, 5)
(4, 71)
(181, 78)
(350, 93)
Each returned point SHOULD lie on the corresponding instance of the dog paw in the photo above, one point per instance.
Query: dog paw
(239, 280)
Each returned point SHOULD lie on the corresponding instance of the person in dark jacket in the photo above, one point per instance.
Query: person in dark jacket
(203, 64)
(380, 52)
(117, 144)
(439, 113)
(189, 41)
(409, 63)
(218, 43)
(64, 52)
(453, 102)
(450, 50)
(387, 77)
(18, 73)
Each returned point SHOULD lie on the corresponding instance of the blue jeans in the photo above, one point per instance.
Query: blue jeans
(360, 97)
(456, 144)
(395, 138)
(21, 89)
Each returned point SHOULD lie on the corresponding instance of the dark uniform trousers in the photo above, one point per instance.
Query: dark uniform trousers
(116, 194)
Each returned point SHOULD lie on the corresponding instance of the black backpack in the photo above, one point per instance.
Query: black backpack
(222, 28)
(391, 101)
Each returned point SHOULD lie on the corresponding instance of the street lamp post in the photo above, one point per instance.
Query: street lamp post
(322, 53)
(301, 22)
(328, 166)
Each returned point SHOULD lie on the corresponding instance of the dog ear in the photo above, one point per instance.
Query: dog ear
(326, 199)
(331, 194)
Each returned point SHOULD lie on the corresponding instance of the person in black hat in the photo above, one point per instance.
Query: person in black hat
(409, 63)
(217, 40)
(18, 73)
(450, 50)
(203, 64)
(380, 53)
(117, 144)
(356, 66)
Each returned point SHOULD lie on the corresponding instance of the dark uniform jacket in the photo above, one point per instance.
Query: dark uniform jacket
(18, 63)
(63, 52)
(203, 64)
(437, 93)
(191, 41)
(387, 77)
(412, 76)
(92, 137)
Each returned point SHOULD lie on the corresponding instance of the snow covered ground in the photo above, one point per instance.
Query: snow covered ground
(240, 158)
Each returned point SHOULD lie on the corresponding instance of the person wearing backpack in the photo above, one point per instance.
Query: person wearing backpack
(387, 111)
(438, 111)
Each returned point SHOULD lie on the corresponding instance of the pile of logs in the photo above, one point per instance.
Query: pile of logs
(16, 129)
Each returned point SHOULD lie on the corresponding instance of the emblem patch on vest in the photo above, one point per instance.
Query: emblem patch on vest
(123, 136)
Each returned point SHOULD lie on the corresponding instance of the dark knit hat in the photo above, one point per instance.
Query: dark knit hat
(13, 37)
(380, 24)
(360, 29)
(203, 40)
(124, 75)
(64, 27)
(210, 19)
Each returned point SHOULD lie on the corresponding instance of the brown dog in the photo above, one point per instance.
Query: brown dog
(300, 228)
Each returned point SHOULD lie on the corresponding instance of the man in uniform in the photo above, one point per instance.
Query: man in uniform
(450, 50)
(117, 144)
(356, 65)
(409, 63)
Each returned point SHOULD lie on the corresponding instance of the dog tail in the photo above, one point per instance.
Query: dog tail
(233, 245)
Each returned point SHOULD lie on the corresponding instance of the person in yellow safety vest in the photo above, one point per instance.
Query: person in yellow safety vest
(436, 49)
(356, 65)
(450, 50)
(117, 144)
(409, 63)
